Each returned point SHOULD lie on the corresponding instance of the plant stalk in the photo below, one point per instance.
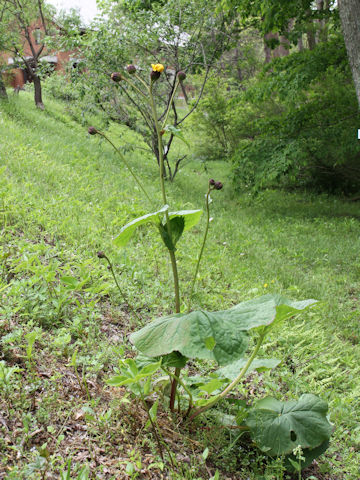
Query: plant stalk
(202, 247)
(171, 252)
(233, 383)
(172, 375)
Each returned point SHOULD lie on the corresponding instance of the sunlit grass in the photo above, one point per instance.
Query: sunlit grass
(65, 194)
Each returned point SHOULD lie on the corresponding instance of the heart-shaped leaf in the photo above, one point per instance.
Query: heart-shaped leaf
(191, 217)
(128, 230)
(279, 427)
(181, 221)
(189, 333)
(177, 225)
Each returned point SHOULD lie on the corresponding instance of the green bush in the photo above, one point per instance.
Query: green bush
(294, 126)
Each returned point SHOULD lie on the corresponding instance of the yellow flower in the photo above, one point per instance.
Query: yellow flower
(265, 285)
(157, 67)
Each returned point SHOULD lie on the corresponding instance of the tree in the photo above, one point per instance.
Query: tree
(350, 21)
(283, 22)
(18, 21)
(3, 93)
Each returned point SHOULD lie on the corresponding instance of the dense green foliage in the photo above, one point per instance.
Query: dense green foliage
(295, 125)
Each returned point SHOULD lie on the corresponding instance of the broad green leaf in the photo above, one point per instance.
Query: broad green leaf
(177, 225)
(191, 217)
(259, 364)
(187, 333)
(279, 427)
(174, 359)
(212, 386)
(210, 343)
(128, 230)
(268, 310)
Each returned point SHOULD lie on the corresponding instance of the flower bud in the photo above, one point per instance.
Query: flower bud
(218, 186)
(154, 75)
(131, 69)
(117, 77)
(162, 132)
(92, 131)
(157, 69)
(101, 254)
(211, 182)
(181, 76)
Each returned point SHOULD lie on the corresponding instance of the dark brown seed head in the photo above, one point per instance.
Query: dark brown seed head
(117, 77)
(162, 132)
(218, 186)
(101, 254)
(92, 131)
(131, 69)
(154, 75)
(211, 182)
(181, 75)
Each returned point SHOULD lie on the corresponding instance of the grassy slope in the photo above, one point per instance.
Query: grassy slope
(65, 195)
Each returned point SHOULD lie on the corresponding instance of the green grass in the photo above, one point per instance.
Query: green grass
(63, 196)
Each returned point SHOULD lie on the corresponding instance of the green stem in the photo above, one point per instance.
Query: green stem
(142, 81)
(202, 247)
(187, 390)
(233, 384)
(171, 252)
(120, 289)
(176, 280)
(163, 192)
(132, 85)
(127, 165)
(160, 148)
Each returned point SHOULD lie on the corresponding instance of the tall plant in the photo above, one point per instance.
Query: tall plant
(167, 343)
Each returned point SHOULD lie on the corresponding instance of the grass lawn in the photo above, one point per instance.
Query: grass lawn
(64, 326)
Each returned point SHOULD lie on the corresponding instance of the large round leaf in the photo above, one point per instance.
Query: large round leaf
(195, 335)
(279, 427)
(221, 336)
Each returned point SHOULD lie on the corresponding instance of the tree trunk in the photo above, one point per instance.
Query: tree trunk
(310, 34)
(350, 21)
(267, 49)
(38, 94)
(300, 44)
(283, 49)
(3, 94)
